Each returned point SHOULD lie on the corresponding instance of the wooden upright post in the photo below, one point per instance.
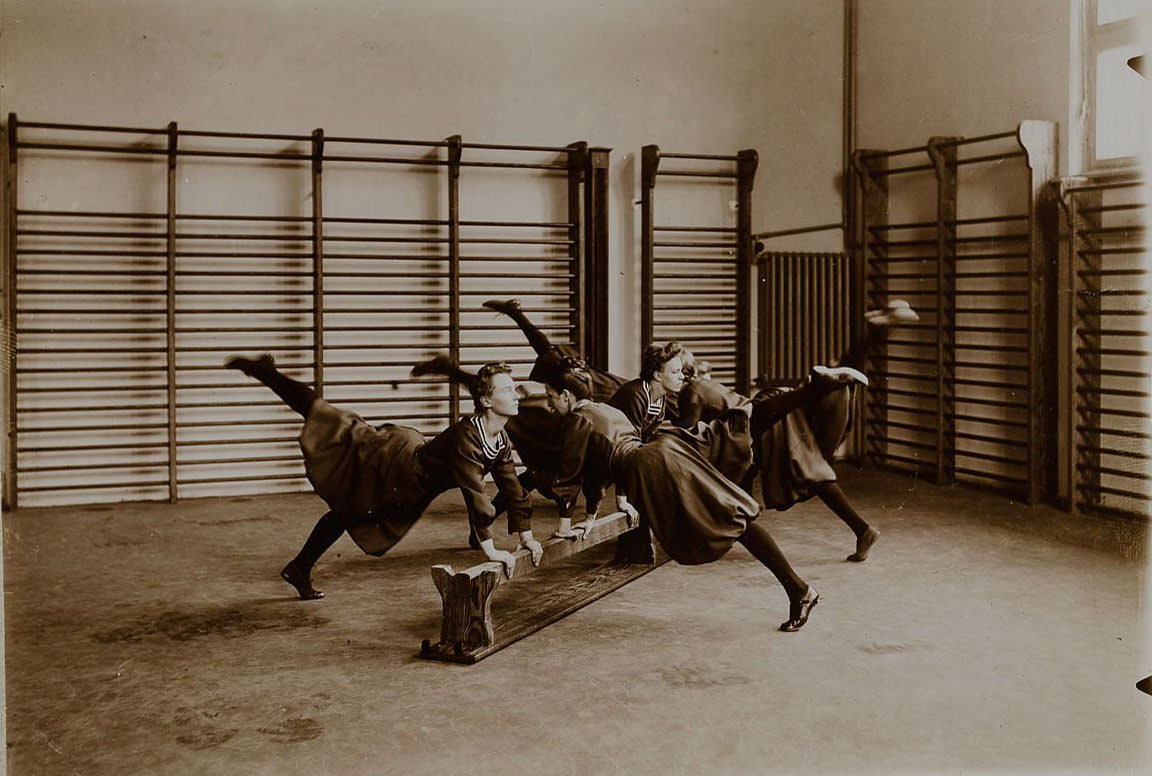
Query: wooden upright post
(649, 164)
(942, 152)
(8, 343)
(318, 260)
(596, 257)
(170, 317)
(577, 246)
(1038, 139)
(747, 162)
(872, 214)
(455, 150)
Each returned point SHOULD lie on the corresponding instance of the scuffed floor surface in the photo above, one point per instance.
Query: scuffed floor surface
(981, 637)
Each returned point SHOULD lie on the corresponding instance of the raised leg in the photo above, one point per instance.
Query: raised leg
(511, 307)
(443, 365)
(295, 394)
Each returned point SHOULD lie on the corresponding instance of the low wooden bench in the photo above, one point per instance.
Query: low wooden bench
(581, 571)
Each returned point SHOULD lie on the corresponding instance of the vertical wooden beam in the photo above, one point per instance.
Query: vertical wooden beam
(318, 260)
(848, 131)
(577, 245)
(747, 163)
(942, 152)
(872, 196)
(9, 345)
(170, 318)
(455, 149)
(596, 257)
(649, 164)
(1038, 139)
(1087, 282)
(764, 359)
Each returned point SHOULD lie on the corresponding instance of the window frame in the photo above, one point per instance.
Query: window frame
(1088, 39)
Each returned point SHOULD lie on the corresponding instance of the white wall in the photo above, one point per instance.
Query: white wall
(940, 67)
(695, 76)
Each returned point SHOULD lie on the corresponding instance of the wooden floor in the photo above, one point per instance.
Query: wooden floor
(981, 637)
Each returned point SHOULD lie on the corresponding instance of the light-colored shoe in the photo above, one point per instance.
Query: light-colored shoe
(841, 375)
(897, 312)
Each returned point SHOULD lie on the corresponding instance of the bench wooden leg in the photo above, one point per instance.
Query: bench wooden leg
(466, 624)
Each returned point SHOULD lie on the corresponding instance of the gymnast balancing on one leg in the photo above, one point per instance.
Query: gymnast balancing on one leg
(793, 450)
(694, 511)
(378, 481)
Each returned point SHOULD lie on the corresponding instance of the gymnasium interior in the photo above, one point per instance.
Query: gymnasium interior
(344, 184)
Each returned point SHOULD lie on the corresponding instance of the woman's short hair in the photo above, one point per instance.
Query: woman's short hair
(656, 356)
(568, 374)
(689, 362)
(485, 384)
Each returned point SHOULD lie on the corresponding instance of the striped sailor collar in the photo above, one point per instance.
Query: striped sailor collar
(491, 450)
(653, 406)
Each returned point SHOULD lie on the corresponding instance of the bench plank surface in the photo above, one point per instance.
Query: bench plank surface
(551, 594)
(572, 573)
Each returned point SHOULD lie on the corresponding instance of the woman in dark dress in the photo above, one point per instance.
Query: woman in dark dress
(650, 399)
(536, 435)
(694, 511)
(793, 452)
(377, 482)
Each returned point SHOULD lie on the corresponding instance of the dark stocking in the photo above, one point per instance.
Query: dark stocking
(764, 548)
(298, 572)
(832, 496)
(536, 338)
(295, 394)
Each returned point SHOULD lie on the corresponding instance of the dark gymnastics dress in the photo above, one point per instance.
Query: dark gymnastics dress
(380, 480)
(646, 414)
(791, 462)
(695, 512)
(536, 431)
(713, 404)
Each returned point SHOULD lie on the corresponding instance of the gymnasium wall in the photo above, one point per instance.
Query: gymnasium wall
(703, 77)
(693, 77)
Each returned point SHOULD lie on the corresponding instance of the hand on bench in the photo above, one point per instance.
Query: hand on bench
(579, 531)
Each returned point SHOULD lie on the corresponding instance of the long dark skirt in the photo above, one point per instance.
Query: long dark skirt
(371, 476)
(795, 453)
(695, 512)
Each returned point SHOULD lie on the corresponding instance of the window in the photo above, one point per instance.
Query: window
(1107, 106)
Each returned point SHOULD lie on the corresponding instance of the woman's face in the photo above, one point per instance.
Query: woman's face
(671, 375)
(504, 400)
(558, 402)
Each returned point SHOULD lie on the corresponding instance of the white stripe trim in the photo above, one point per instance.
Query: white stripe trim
(490, 450)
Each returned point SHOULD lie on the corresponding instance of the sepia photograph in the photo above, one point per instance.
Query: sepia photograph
(575, 387)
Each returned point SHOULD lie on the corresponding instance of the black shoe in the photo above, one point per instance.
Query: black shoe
(250, 366)
(864, 543)
(437, 365)
(301, 580)
(799, 611)
(506, 306)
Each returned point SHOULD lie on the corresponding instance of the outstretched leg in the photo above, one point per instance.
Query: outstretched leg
(298, 572)
(511, 307)
(769, 407)
(444, 365)
(801, 596)
(295, 394)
